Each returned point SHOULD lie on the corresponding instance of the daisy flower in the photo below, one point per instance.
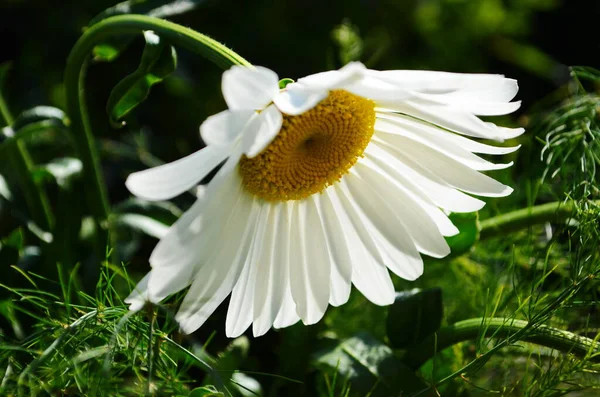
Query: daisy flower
(331, 181)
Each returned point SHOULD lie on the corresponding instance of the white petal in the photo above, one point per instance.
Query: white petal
(262, 130)
(369, 272)
(226, 127)
(346, 75)
(465, 101)
(295, 100)
(378, 90)
(309, 262)
(457, 120)
(450, 171)
(341, 262)
(308, 91)
(386, 206)
(240, 312)
(385, 164)
(482, 87)
(216, 276)
(399, 131)
(287, 313)
(139, 296)
(438, 191)
(189, 241)
(249, 88)
(170, 180)
(430, 131)
(272, 272)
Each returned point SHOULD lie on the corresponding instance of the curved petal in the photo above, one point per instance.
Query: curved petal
(262, 130)
(241, 304)
(215, 278)
(439, 192)
(399, 131)
(287, 315)
(270, 287)
(296, 99)
(369, 273)
(184, 249)
(385, 164)
(339, 251)
(457, 120)
(374, 193)
(450, 171)
(139, 296)
(481, 87)
(309, 262)
(170, 180)
(226, 127)
(249, 87)
(434, 133)
(332, 79)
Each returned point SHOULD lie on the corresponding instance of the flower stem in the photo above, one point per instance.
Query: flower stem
(96, 195)
(554, 338)
(523, 218)
(35, 196)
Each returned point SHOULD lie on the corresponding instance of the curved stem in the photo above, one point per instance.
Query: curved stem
(520, 219)
(554, 338)
(75, 73)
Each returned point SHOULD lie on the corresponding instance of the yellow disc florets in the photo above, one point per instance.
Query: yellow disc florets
(312, 150)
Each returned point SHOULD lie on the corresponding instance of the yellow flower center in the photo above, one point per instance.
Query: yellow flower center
(312, 150)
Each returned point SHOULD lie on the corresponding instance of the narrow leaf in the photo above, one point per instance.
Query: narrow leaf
(158, 61)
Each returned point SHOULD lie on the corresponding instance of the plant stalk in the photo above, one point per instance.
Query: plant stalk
(75, 74)
(554, 338)
(520, 219)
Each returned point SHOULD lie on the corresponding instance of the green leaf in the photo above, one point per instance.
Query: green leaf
(63, 171)
(370, 366)
(142, 223)
(414, 315)
(469, 227)
(284, 82)
(205, 391)
(158, 61)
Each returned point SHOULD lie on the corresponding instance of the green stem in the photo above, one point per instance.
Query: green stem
(554, 338)
(521, 219)
(75, 73)
(35, 196)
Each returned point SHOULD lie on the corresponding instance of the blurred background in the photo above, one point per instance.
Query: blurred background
(533, 41)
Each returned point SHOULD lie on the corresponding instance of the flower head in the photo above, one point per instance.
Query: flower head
(329, 182)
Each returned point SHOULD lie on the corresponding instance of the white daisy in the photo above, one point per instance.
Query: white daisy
(329, 182)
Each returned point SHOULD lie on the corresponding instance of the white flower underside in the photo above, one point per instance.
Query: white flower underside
(286, 261)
